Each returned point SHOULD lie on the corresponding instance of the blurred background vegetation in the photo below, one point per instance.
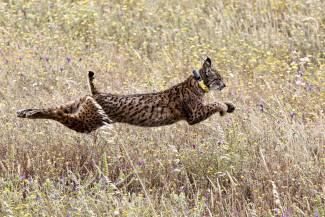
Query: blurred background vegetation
(266, 159)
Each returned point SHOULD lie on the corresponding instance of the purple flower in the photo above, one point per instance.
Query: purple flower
(68, 59)
(183, 189)
(141, 163)
(293, 115)
(38, 198)
(316, 213)
(22, 177)
(117, 182)
(310, 88)
(207, 195)
(194, 146)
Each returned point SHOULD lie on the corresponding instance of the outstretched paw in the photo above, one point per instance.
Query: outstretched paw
(230, 107)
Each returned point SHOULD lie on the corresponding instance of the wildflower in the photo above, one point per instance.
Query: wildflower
(316, 213)
(38, 198)
(183, 189)
(286, 214)
(177, 170)
(309, 87)
(293, 115)
(194, 146)
(304, 59)
(300, 82)
(68, 59)
(118, 181)
(173, 148)
(140, 163)
(69, 213)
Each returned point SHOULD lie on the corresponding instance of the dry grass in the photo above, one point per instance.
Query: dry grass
(266, 159)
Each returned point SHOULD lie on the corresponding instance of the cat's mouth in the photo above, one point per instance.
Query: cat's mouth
(220, 87)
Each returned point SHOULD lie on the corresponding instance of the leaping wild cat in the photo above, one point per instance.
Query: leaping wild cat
(183, 101)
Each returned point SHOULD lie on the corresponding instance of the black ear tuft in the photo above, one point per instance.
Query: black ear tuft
(207, 62)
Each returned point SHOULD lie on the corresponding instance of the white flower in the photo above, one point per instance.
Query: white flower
(300, 82)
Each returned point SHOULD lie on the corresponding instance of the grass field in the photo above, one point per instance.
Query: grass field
(266, 159)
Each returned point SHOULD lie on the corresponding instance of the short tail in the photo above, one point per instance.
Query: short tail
(92, 87)
(84, 115)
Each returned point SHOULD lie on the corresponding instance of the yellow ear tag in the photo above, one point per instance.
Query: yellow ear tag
(203, 86)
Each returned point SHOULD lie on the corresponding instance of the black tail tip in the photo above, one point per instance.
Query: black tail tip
(91, 74)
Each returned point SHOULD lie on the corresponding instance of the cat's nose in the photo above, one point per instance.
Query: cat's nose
(221, 86)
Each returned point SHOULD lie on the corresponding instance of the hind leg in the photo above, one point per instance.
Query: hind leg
(84, 115)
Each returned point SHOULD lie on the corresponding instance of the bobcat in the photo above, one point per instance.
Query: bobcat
(183, 101)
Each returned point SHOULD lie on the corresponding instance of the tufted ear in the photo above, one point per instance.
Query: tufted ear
(207, 62)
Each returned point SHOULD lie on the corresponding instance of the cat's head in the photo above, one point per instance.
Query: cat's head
(211, 77)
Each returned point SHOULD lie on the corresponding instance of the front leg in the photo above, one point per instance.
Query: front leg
(202, 112)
